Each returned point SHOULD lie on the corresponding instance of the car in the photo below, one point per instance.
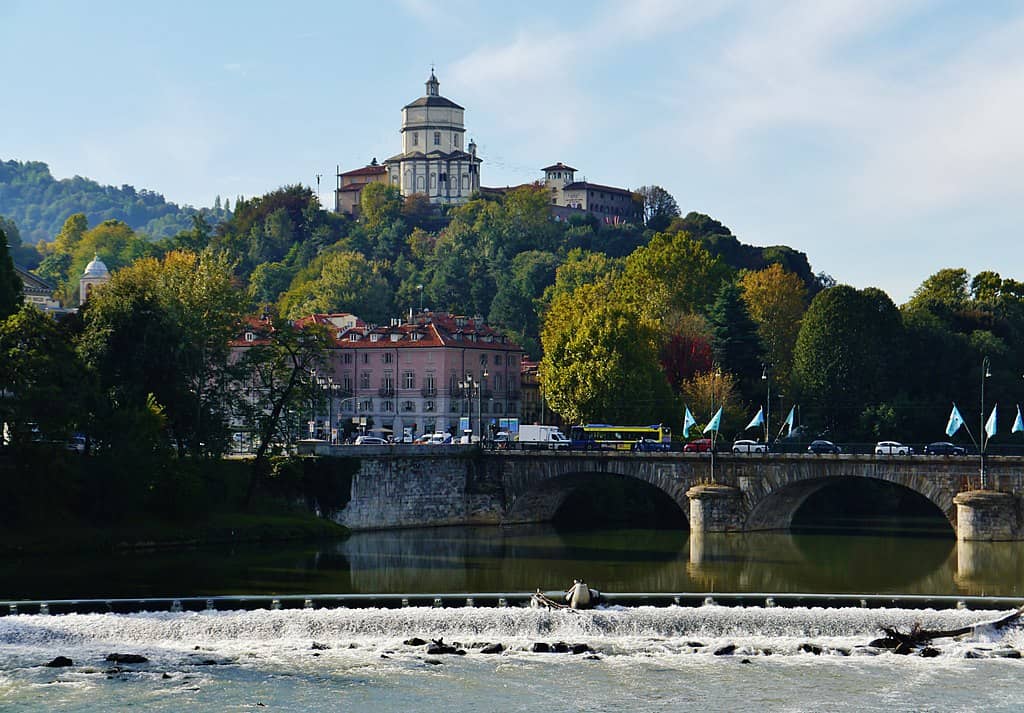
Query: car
(646, 444)
(421, 440)
(370, 441)
(823, 446)
(944, 448)
(892, 448)
(503, 440)
(439, 438)
(701, 445)
(746, 446)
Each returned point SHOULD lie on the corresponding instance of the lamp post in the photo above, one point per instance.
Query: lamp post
(469, 384)
(766, 377)
(985, 373)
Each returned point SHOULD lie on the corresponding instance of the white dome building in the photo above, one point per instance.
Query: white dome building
(435, 160)
(96, 273)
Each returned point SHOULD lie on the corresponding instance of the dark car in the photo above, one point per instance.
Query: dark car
(823, 447)
(701, 445)
(944, 448)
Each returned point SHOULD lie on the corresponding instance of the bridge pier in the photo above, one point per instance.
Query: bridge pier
(987, 515)
(715, 508)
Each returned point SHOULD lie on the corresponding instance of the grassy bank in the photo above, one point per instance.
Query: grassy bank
(61, 502)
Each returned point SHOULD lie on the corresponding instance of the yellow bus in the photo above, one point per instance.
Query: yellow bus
(603, 436)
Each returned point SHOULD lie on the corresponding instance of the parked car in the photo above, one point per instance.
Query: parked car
(439, 438)
(944, 448)
(822, 446)
(701, 445)
(892, 448)
(503, 440)
(645, 444)
(746, 446)
(370, 441)
(421, 440)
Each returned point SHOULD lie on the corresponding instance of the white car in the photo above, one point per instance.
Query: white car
(748, 447)
(892, 448)
(370, 441)
(439, 439)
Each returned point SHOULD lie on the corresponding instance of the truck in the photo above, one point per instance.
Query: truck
(541, 437)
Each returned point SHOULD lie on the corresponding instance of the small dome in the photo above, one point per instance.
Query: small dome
(96, 268)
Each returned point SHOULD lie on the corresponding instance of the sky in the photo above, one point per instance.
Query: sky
(882, 138)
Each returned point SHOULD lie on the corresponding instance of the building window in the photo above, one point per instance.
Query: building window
(388, 357)
(483, 360)
(497, 407)
(408, 406)
(374, 337)
(415, 138)
(346, 383)
(433, 180)
(387, 406)
(409, 380)
(465, 182)
(387, 384)
(455, 140)
(428, 406)
(428, 384)
(250, 337)
(366, 358)
(437, 138)
(366, 405)
(420, 183)
(497, 382)
(364, 380)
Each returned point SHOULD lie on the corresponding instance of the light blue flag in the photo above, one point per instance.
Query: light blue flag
(1018, 424)
(990, 424)
(955, 421)
(758, 420)
(789, 420)
(688, 420)
(715, 423)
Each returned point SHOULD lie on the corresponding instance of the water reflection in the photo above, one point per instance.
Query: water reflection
(493, 559)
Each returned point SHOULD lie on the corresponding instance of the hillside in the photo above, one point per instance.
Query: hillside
(39, 204)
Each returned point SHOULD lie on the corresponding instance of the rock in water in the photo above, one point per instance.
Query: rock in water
(539, 647)
(127, 658)
(414, 641)
(492, 649)
(726, 650)
(60, 662)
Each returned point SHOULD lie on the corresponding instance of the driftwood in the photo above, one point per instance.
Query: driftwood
(902, 643)
(539, 600)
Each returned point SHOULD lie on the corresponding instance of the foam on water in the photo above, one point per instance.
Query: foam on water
(648, 659)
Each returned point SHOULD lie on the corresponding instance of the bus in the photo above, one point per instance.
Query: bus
(603, 436)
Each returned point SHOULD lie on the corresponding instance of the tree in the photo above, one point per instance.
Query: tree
(775, 300)
(10, 283)
(847, 354)
(686, 349)
(380, 203)
(601, 362)
(704, 393)
(341, 282)
(945, 290)
(277, 380)
(659, 207)
(735, 342)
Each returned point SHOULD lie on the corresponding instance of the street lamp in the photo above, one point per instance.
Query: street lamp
(985, 373)
(469, 384)
(766, 377)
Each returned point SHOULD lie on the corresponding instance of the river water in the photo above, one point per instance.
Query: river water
(643, 658)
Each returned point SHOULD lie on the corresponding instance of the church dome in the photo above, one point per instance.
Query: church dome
(96, 268)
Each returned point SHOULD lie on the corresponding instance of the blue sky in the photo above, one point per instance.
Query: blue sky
(882, 138)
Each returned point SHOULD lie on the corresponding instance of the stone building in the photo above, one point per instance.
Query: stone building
(349, 191)
(95, 274)
(608, 203)
(37, 291)
(435, 159)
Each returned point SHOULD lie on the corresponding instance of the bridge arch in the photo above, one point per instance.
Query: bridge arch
(540, 500)
(773, 505)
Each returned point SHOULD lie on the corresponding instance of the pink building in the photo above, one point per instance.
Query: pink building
(422, 374)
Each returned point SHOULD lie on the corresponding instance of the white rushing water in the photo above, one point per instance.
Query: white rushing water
(644, 659)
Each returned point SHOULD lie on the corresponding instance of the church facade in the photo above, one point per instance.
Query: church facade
(435, 161)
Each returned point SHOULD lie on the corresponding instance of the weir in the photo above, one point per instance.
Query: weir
(54, 607)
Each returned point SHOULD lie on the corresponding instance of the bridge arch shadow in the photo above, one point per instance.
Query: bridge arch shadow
(589, 498)
(814, 502)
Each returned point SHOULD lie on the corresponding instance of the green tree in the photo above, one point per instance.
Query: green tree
(601, 362)
(380, 203)
(946, 290)
(10, 283)
(848, 354)
(341, 282)
(659, 207)
(735, 341)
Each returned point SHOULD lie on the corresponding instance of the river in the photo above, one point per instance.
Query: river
(642, 659)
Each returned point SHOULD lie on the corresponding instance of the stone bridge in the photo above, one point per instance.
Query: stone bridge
(409, 486)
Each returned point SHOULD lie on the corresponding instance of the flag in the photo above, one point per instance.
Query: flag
(990, 424)
(688, 420)
(715, 423)
(758, 420)
(1018, 424)
(955, 421)
(789, 420)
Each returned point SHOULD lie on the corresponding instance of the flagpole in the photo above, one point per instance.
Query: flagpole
(985, 373)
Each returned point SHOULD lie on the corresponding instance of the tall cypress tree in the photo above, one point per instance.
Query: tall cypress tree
(736, 344)
(10, 283)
